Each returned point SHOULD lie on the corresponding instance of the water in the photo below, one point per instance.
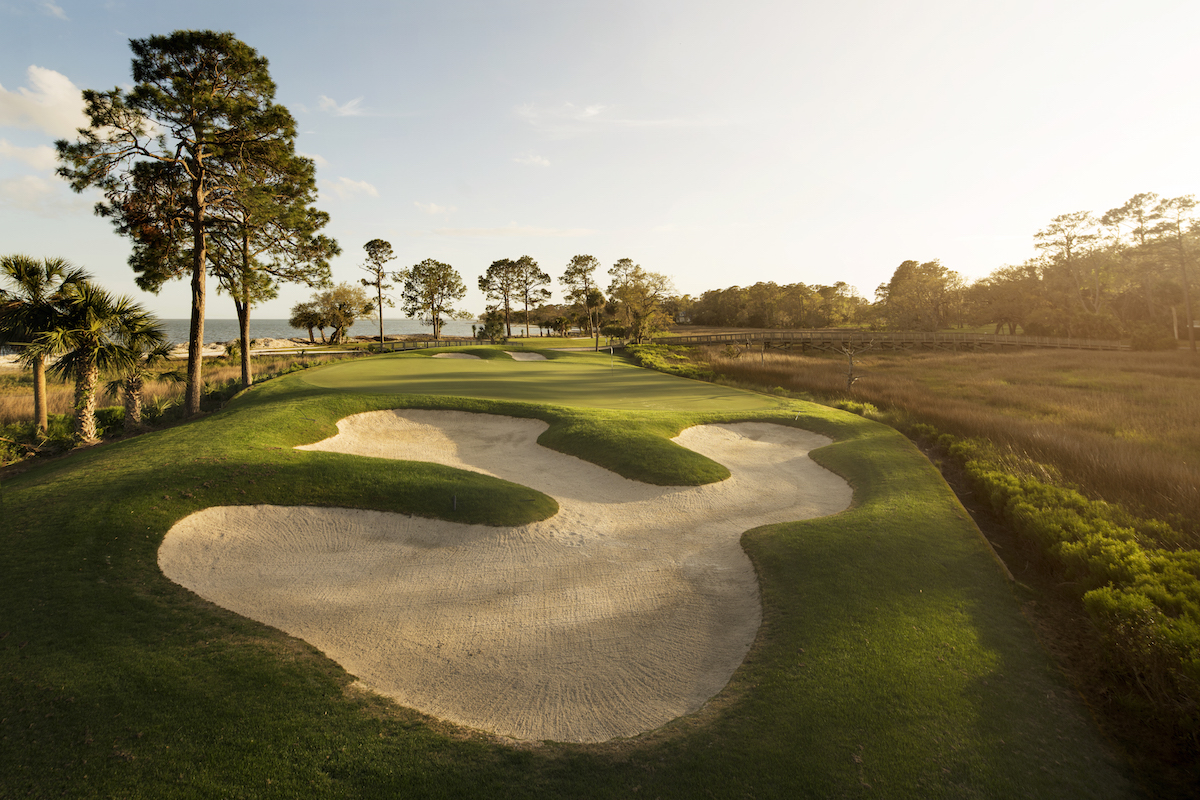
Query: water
(225, 330)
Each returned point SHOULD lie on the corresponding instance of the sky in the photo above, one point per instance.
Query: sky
(717, 143)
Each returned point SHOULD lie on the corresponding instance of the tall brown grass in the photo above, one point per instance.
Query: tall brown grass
(16, 388)
(1122, 427)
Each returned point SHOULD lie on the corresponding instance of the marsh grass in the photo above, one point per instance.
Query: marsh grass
(1123, 427)
(161, 402)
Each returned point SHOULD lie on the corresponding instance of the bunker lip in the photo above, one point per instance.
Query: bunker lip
(629, 608)
(524, 356)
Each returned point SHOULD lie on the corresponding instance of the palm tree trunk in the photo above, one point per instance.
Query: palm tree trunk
(133, 403)
(41, 417)
(85, 404)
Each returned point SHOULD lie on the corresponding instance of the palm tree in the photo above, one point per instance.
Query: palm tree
(29, 308)
(89, 339)
(147, 346)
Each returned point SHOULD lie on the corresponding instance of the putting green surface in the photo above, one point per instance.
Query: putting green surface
(585, 381)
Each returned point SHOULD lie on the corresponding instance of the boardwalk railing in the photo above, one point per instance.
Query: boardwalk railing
(424, 344)
(835, 340)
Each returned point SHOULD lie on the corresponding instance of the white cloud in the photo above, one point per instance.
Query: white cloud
(55, 11)
(316, 159)
(53, 105)
(345, 188)
(45, 198)
(514, 229)
(532, 160)
(434, 208)
(351, 109)
(40, 157)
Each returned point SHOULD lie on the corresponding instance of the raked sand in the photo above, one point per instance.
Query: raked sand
(630, 607)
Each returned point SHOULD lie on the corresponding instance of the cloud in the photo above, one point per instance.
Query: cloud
(55, 11)
(316, 159)
(434, 208)
(345, 189)
(40, 157)
(53, 105)
(532, 160)
(514, 229)
(351, 109)
(37, 195)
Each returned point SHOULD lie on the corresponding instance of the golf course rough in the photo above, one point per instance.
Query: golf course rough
(629, 608)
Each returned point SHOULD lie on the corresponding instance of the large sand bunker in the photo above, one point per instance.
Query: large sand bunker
(630, 607)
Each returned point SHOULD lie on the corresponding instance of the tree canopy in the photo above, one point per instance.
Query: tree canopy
(166, 155)
(430, 289)
(637, 297)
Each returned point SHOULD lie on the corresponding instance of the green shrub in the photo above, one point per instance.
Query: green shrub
(1142, 595)
(671, 360)
(110, 420)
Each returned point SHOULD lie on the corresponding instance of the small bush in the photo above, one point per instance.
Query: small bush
(1152, 337)
(110, 420)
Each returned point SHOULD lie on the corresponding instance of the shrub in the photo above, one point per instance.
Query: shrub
(671, 360)
(1143, 597)
(110, 420)
(1152, 337)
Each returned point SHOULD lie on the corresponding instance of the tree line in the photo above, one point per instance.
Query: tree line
(638, 305)
(1126, 273)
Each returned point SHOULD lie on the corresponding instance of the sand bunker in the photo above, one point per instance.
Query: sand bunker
(520, 356)
(630, 607)
(455, 355)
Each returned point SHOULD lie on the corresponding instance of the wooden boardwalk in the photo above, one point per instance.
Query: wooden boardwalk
(835, 341)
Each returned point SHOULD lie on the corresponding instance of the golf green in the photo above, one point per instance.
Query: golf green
(585, 381)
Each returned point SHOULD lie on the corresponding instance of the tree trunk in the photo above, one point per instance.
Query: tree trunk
(243, 311)
(41, 417)
(379, 278)
(85, 404)
(195, 385)
(133, 403)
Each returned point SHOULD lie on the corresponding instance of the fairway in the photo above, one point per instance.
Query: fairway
(581, 381)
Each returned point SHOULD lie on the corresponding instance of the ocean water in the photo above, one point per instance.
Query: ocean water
(224, 330)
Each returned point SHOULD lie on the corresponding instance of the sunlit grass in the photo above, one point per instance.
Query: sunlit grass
(893, 660)
(1123, 426)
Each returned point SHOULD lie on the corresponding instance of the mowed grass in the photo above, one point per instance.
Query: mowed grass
(568, 379)
(893, 660)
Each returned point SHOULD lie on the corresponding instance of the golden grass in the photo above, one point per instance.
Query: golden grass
(1123, 427)
(16, 388)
